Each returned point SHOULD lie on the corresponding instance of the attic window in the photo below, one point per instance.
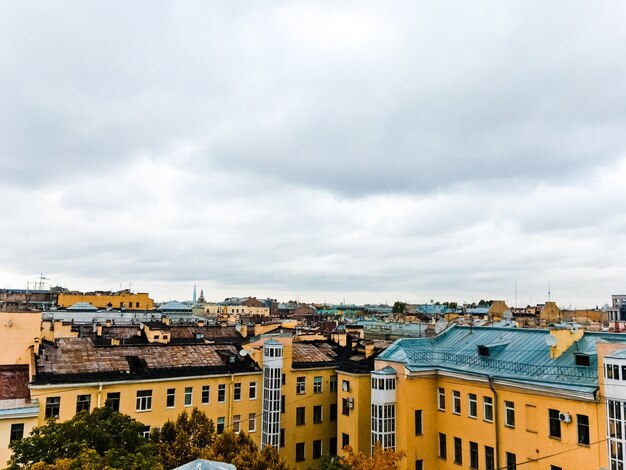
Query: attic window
(582, 359)
(491, 348)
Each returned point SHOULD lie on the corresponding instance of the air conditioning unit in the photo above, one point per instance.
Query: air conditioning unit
(350, 402)
(565, 417)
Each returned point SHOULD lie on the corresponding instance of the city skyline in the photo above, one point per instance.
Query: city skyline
(358, 151)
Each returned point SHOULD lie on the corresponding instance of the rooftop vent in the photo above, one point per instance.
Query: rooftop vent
(488, 350)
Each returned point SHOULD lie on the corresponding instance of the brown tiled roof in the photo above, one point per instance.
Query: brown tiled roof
(317, 353)
(14, 382)
(209, 332)
(78, 360)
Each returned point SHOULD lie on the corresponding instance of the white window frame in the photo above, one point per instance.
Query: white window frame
(188, 396)
(144, 402)
(488, 405)
(472, 402)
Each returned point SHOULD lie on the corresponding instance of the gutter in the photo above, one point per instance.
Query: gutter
(496, 420)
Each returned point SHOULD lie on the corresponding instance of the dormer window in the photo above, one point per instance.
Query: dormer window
(487, 350)
(483, 351)
(582, 359)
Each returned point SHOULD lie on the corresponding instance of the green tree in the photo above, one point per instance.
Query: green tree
(193, 436)
(398, 307)
(102, 439)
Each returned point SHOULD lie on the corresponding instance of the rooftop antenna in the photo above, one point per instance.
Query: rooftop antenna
(516, 293)
(549, 291)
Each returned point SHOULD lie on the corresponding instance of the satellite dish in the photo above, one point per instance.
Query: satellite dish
(551, 341)
(243, 353)
(238, 327)
(440, 325)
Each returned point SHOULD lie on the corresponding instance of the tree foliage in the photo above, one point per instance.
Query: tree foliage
(380, 458)
(102, 439)
(398, 307)
(193, 436)
(107, 440)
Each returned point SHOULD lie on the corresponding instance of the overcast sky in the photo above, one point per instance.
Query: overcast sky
(366, 151)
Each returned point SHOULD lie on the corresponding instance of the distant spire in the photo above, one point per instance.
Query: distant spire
(194, 293)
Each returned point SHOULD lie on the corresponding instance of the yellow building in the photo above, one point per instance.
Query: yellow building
(494, 398)
(20, 333)
(116, 300)
(307, 422)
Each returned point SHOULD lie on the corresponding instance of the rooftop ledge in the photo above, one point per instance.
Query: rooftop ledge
(19, 406)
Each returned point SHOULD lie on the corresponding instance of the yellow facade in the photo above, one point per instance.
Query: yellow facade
(27, 421)
(18, 331)
(323, 431)
(158, 412)
(139, 301)
(354, 425)
(528, 438)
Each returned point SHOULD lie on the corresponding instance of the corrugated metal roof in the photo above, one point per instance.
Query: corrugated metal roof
(526, 355)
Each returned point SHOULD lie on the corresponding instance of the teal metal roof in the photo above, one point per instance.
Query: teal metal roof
(525, 356)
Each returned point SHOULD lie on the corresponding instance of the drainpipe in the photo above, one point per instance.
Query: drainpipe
(230, 404)
(496, 423)
(99, 394)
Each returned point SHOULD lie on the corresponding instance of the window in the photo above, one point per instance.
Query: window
(554, 467)
(488, 409)
(236, 424)
(146, 432)
(333, 412)
(609, 371)
(345, 409)
(170, 400)
(299, 451)
(220, 424)
(113, 401)
(237, 391)
(281, 441)
(221, 393)
(473, 455)
(511, 463)
(345, 440)
(283, 379)
(419, 464)
(441, 399)
(509, 414)
(300, 385)
(345, 385)
(282, 403)
(317, 449)
(317, 388)
(456, 402)
(555, 423)
(188, 396)
(252, 422)
(384, 425)
(583, 429)
(83, 403)
(472, 410)
(458, 451)
(583, 360)
(317, 414)
(252, 391)
(333, 383)
(443, 451)
(17, 432)
(206, 394)
(489, 458)
(53, 406)
(418, 423)
(332, 446)
(300, 415)
(144, 400)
